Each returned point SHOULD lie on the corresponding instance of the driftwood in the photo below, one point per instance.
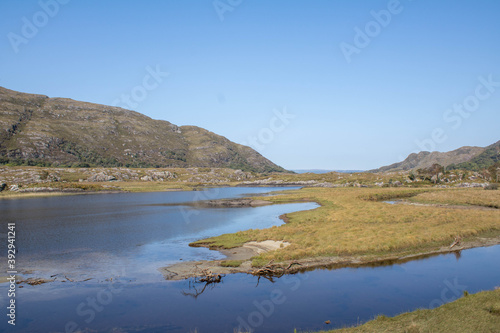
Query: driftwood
(273, 270)
(456, 242)
(35, 281)
(207, 277)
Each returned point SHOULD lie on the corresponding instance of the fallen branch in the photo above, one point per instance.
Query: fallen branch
(208, 277)
(457, 241)
(293, 263)
(273, 270)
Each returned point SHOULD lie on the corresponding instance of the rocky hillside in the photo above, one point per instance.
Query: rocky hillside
(485, 159)
(38, 130)
(426, 159)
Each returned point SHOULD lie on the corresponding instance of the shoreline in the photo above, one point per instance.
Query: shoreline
(191, 269)
(189, 188)
(239, 259)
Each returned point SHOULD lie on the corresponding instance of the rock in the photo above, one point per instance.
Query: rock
(467, 185)
(2, 186)
(101, 177)
(270, 181)
(397, 183)
(14, 188)
(158, 176)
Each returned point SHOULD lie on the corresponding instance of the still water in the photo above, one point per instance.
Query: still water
(120, 240)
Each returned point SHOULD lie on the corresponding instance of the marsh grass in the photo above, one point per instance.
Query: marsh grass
(350, 223)
(466, 197)
(475, 313)
(140, 186)
(231, 263)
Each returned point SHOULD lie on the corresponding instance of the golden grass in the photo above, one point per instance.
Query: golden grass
(140, 186)
(474, 197)
(350, 224)
(474, 313)
(17, 195)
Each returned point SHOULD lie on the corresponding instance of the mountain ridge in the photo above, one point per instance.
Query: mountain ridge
(457, 158)
(38, 130)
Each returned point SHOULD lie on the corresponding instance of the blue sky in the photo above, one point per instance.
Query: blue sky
(233, 65)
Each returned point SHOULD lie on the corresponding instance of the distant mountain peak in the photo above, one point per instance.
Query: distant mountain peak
(426, 159)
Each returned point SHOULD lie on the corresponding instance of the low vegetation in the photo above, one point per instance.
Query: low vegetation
(466, 197)
(352, 223)
(472, 313)
(231, 263)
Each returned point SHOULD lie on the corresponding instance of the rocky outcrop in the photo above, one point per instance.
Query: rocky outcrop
(279, 182)
(158, 176)
(101, 177)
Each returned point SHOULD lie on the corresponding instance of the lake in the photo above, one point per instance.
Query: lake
(120, 240)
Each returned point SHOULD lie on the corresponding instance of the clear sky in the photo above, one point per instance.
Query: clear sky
(344, 84)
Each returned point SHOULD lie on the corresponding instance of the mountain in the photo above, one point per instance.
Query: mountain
(426, 159)
(487, 158)
(38, 130)
(320, 171)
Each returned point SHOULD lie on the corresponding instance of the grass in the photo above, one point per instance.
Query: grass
(140, 186)
(226, 241)
(473, 313)
(351, 223)
(231, 263)
(467, 197)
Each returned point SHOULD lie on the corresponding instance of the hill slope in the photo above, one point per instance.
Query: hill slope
(36, 129)
(426, 159)
(487, 158)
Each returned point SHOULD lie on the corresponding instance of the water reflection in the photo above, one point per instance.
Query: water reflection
(139, 238)
(99, 234)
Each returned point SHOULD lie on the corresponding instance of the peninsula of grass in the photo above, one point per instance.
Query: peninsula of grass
(353, 223)
(472, 313)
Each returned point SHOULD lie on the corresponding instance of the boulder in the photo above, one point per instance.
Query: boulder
(101, 177)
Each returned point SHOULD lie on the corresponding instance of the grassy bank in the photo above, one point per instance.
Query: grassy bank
(465, 197)
(352, 223)
(60, 189)
(473, 313)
